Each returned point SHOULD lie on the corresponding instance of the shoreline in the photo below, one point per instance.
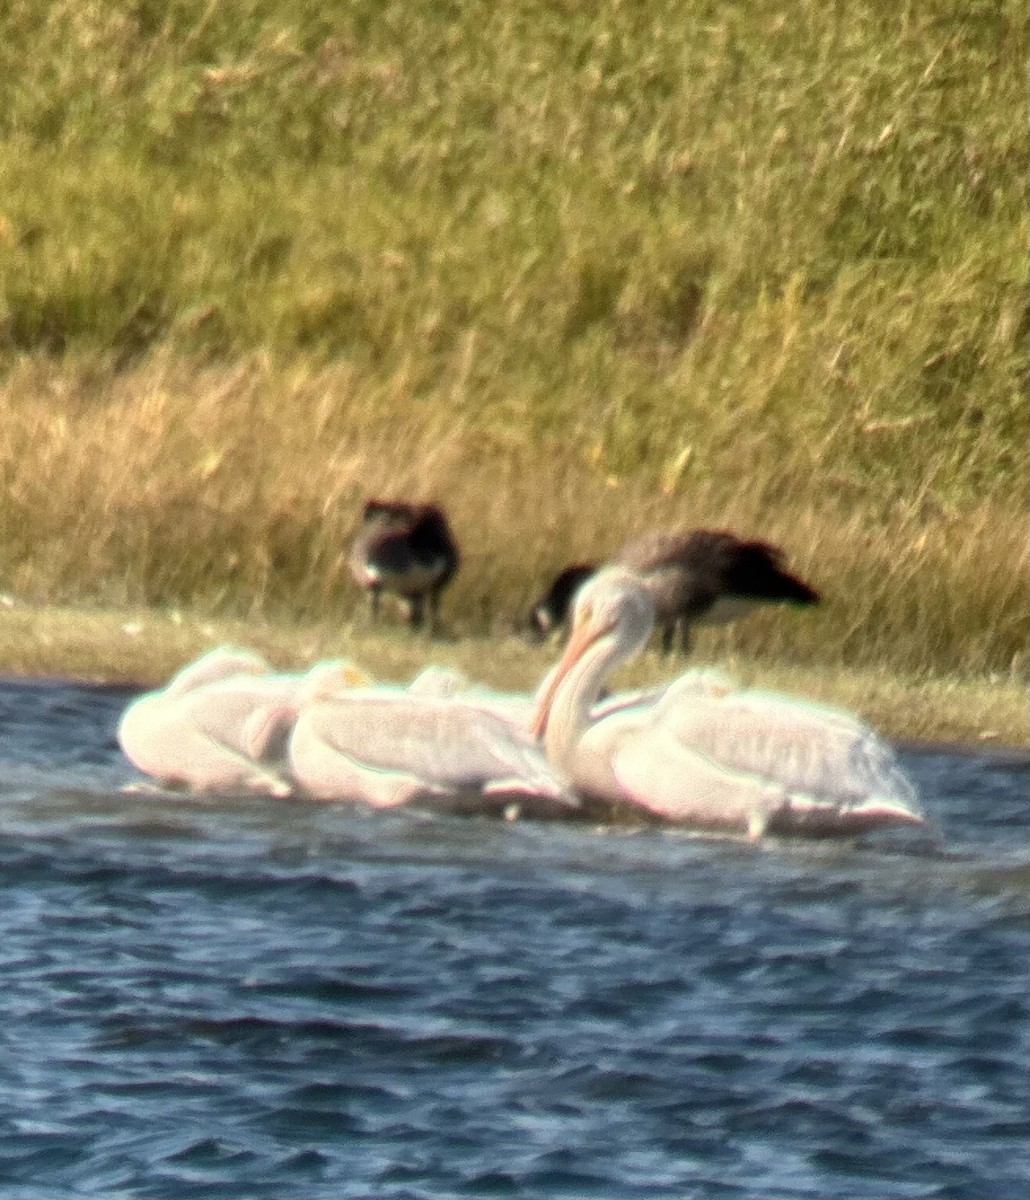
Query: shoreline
(138, 648)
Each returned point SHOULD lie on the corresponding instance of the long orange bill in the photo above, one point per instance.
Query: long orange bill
(579, 641)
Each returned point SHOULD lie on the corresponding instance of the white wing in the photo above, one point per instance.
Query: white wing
(656, 771)
(700, 682)
(439, 745)
(219, 663)
(826, 765)
(515, 708)
(439, 682)
(804, 747)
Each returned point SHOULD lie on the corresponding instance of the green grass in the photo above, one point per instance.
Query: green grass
(573, 270)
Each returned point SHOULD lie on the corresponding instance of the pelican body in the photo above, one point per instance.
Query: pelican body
(209, 728)
(388, 748)
(407, 550)
(708, 576)
(706, 753)
(442, 683)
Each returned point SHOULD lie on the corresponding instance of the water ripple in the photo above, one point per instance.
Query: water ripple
(227, 998)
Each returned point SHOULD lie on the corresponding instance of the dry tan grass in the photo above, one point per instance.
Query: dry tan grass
(236, 491)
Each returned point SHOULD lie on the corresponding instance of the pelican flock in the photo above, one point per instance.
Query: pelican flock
(212, 726)
(698, 751)
(227, 722)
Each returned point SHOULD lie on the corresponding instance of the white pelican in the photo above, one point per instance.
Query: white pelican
(447, 683)
(212, 727)
(518, 708)
(706, 753)
(219, 663)
(388, 747)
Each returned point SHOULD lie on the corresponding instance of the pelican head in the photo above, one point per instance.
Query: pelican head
(612, 619)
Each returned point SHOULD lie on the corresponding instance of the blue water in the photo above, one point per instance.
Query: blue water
(274, 998)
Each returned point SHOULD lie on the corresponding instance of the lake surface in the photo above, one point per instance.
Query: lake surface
(285, 999)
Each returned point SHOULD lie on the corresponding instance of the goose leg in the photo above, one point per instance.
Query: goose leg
(434, 611)
(684, 636)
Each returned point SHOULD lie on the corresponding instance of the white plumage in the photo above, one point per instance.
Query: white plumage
(701, 751)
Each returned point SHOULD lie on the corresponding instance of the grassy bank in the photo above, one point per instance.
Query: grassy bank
(145, 647)
(572, 270)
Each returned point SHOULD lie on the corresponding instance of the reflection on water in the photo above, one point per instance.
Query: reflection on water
(216, 998)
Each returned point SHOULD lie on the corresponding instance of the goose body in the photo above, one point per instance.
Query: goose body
(407, 550)
(551, 611)
(709, 576)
